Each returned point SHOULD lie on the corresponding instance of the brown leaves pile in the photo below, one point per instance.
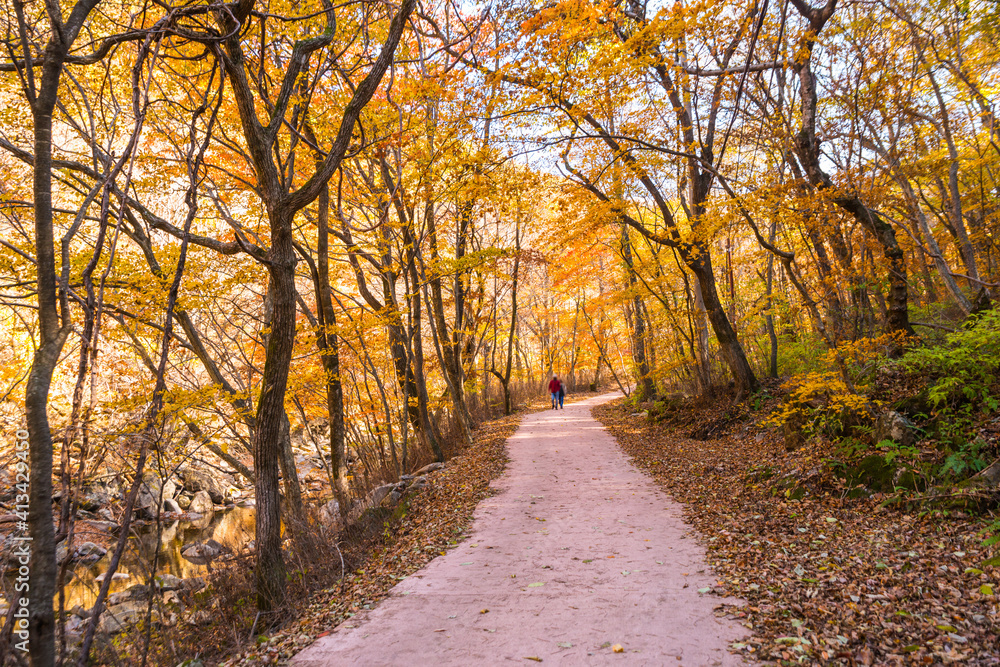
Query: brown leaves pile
(435, 519)
(827, 579)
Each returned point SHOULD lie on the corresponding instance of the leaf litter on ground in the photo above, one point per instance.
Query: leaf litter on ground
(827, 579)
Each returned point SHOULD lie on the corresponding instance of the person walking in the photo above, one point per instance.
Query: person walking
(554, 385)
(562, 394)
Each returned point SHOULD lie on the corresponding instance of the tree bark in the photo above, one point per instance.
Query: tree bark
(645, 390)
(53, 327)
(327, 339)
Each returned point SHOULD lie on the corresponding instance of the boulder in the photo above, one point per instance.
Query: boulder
(184, 501)
(99, 493)
(88, 553)
(202, 503)
(91, 502)
(193, 584)
(199, 479)
(429, 468)
(110, 525)
(137, 592)
(168, 582)
(123, 617)
(380, 493)
(203, 553)
(894, 426)
(152, 491)
(200, 617)
(171, 505)
(418, 483)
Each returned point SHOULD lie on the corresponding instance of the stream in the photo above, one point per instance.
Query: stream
(232, 528)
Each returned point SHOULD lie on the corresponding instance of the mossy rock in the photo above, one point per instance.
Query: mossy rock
(795, 493)
(872, 472)
(911, 481)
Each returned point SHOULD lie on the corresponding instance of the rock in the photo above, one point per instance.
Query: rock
(379, 494)
(88, 553)
(171, 505)
(200, 617)
(184, 502)
(92, 502)
(418, 483)
(118, 576)
(198, 479)
(137, 592)
(431, 467)
(124, 617)
(106, 514)
(894, 426)
(100, 492)
(794, 437)
(193, 584)
(202, 503)
(110, 525)
(152, 490)
(204, 553)
(167, 582)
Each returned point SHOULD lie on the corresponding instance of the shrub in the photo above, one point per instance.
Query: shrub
(818, 403)
(962, 372)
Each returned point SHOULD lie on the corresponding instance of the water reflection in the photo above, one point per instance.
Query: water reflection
(232, 528)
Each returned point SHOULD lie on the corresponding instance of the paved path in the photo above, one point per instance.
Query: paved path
(578, 553)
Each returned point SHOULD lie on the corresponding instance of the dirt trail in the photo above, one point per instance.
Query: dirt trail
(577, 553)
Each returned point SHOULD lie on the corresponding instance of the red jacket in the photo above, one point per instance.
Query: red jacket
(554, 386)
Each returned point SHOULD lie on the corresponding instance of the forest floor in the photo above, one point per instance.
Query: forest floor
(578, 558)
(828, 579)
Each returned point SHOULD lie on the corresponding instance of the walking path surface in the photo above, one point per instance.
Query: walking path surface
(578, 553)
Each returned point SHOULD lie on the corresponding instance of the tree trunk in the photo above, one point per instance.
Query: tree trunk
(53, 331)
(729, 344)
(449, 344)
(330, 352)
(772, 366)
(267, 443)
(944, 271)
(645, 389)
